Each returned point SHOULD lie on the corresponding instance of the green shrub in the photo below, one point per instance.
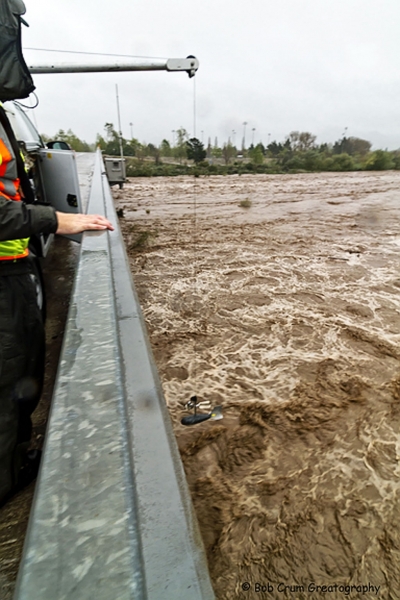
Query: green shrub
(342, 162)
(294, 164)
(380, 160)
(396, 160)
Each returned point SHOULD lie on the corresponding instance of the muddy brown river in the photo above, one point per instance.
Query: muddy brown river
(286, 313)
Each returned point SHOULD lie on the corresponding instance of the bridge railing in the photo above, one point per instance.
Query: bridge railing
(112, 518)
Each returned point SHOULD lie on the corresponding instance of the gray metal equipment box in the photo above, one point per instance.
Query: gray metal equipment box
(115, 170)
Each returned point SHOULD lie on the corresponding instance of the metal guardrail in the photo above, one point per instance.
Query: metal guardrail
(112, 517)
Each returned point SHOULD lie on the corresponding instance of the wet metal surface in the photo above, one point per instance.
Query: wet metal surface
(112, 515)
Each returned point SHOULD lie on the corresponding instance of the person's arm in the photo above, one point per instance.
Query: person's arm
(20, 220)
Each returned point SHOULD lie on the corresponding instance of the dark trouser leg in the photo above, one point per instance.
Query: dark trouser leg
(21, 371)
(8, 439)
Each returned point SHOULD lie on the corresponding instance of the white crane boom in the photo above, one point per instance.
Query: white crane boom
(189, 65)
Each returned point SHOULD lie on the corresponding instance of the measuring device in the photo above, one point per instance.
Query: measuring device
(214, 415)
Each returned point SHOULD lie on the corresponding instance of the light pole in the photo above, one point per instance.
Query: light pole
(343, 142)
(269, 136)
(202, 136)
(130, 124)
(244, 135)
(252, 137)
(119, 125)
(233, 136)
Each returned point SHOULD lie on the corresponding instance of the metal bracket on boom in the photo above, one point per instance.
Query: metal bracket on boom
(189, 64)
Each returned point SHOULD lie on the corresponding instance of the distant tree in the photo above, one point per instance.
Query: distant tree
(380, 160)
(396, 159)
(130, 146)
(165, 148)
(301, 141)
(256, 155)
(110, 144)
(287, 145)
(352, 146)
(101, 142)
(154, 152)
(195, 150)
(228, 152)
(180, 148)
(261, 147)
(216, 152)
(71, 139)
(325, 148)
(342, 162)
(112, 138)
(274, 148)
(285, 155)
(360, 146)
(292, 161)
(111, 134)
(141, 152)
(313, 160)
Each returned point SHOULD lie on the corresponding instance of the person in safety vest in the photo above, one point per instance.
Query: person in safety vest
(22, 344)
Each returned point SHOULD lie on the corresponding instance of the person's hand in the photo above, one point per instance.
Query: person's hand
(69, 223)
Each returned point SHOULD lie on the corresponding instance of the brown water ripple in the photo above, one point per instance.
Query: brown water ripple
(287, 314)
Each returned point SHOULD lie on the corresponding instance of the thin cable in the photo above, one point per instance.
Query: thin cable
(196, 307)
(194, 106)
(95, 53)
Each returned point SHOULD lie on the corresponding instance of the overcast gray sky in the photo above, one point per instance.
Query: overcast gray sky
(280, 65)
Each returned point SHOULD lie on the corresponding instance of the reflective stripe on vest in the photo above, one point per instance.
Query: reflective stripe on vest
(9, 182)
(9, 189)
(14, 249)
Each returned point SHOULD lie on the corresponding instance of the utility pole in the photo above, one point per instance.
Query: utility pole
(119, 126)
(343, 142)
(244, 136)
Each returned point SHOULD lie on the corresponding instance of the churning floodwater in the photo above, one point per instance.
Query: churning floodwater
(286, 313)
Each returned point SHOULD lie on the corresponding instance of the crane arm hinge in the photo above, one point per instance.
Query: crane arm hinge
(189, 64)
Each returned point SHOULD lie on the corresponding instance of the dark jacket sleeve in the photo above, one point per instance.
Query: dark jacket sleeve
(20, 220)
